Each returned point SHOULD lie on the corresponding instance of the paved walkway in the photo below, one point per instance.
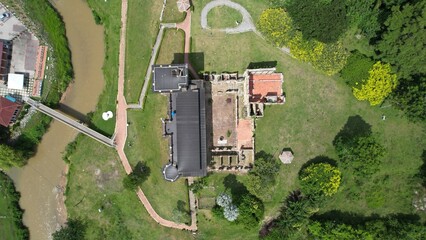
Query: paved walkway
(186, 27)
(121, 125)
(245, 26)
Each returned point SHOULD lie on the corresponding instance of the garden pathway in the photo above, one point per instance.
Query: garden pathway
(121, 127)
(245, 26)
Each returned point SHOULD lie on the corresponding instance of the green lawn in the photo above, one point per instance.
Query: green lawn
(143, 18)
(317, 108)
(95, 182)
(223, 17)
(172, 47)
(171, 13)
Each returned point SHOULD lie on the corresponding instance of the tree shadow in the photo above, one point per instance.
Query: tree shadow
(422, 172)
(195, 58)
(318, 159)
(236, 187)
(142, 171)
(264, 155)
(264, 64)
(181, 206)
(350, 218)
(355, 127)
(73, 113)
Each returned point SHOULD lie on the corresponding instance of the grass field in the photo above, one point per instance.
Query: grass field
(171, 13)
(223, 17)
(143, 20)
(317, 107)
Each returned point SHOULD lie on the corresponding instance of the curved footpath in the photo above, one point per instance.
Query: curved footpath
(121, 132)
(245, 26)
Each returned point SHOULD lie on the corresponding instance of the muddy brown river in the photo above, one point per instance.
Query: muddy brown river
(39, 180)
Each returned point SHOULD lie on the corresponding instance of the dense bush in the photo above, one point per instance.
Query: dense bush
(389, 228)
(277, 26)
(74, 230)
(262, 177)
(364, 15)
(251, 211)
(356, 68)
(9, 157)
(363, 154)
(8, 191)
(324, 21)
(409, 97)
(380, 83)
(320, 179)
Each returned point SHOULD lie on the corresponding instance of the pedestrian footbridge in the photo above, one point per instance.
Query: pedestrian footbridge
(70, 122)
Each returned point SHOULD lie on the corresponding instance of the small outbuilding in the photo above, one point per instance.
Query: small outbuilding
(286, 157)
(183, 5)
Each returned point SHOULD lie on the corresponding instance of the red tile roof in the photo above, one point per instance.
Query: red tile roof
(7, 109)
(262, 85)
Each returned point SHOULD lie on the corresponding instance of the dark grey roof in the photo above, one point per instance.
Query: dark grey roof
(191, 133)
(170, 172)
(171, 77)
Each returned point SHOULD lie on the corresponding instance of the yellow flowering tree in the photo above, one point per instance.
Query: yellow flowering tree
(276, 25)
(380, 83)
(320, 179)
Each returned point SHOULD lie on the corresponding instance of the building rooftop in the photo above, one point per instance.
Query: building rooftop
(262, 86)
(15, 81)
(170, 78)
(191, 148)
(8, 110)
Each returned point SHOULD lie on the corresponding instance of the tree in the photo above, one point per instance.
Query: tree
(364, 14)
(74, 230)
(379, 85)
(320, 179)
(263, 175)
(223, 200)
(402, 43)
(276, 25)
(356, 68)
(198, 185)
(362, 154)
(140, 173)
(230, 212)
(10, 158)
(409, 96)
(324, 21)
(251, 211)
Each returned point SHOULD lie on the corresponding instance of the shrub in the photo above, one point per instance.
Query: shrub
(356, 68)
(379, 85)
(320, 179)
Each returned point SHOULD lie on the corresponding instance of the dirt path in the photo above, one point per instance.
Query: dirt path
(121, 124)
(245, 26)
